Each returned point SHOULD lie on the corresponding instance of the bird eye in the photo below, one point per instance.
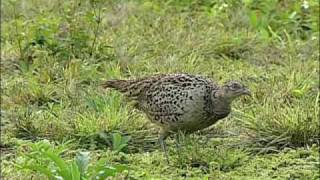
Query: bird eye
(235, 86)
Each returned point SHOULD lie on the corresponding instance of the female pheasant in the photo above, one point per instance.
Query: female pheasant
(180, 102)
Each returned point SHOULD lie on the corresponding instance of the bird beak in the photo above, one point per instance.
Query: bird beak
(247, 92)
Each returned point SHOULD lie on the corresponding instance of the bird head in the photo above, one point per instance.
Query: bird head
(232, 90)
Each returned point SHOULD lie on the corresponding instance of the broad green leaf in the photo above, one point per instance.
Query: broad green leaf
(74, 170)
(119, 142)
(60, 163)
(116, 141)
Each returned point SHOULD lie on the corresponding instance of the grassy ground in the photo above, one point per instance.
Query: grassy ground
(55, 54)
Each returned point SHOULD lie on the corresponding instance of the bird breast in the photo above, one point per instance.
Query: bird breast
(194, 111)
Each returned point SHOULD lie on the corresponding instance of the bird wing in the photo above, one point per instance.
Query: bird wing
(169, 99)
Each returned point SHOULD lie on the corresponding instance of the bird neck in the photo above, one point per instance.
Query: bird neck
(221, 106)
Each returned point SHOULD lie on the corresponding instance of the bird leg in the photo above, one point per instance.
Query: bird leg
(177, 142)
(177, 138)
(162, 137)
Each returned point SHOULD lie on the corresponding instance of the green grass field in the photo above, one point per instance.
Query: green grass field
(57, 122)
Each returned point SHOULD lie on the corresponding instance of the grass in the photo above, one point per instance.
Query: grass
(55, 55)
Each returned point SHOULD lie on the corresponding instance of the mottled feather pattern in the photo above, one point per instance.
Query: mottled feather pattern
(177, 101)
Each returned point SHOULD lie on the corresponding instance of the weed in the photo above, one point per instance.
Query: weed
(47, 161)
(119, 142)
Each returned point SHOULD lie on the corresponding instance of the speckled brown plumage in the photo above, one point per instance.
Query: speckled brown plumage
(180, 101)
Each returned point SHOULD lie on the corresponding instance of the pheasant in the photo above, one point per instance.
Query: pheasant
(179, 102)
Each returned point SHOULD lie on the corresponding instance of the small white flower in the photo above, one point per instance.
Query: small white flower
(305, 4)
(58, 177)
